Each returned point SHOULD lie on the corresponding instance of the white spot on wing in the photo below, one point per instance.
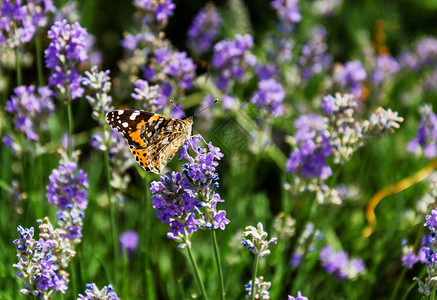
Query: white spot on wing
(120, 112)
(125, 124)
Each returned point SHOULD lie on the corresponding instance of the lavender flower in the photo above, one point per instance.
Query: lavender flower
(232, 58)
(385, 67)
(31, 109)
(429, 251)
(129, 241)
(424, 56)
(92, 292)
(351, 76)
(160, 10)
(338, 264)
(100, 85)
(259, 245)
(288, 12)
(270, 95)
(261, 289)
(21, 19)
(179, 198)
(67, 187)
(68, 47)
(409, 258)
(299, 297)
(148, 96)
(426, 133)
(204, 29)
(314, 59)
(314, 148)
(37, 267)
(171, 70)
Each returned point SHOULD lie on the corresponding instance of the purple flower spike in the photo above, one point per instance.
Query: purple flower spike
(204, 29)
(232, 58)
(179, 198)
(31, 109)
(338, 264)
(270, 95)
(68, 48)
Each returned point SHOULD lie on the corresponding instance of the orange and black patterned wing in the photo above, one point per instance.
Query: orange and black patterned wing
(129, 123)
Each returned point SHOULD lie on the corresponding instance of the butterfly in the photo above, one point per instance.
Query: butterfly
(153, 139)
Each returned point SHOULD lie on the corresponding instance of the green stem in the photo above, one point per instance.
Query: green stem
(70, 129)
(39, 61)
(196, 272)
(255, 270)
(112, 206)
(18, 66)
(219, 264)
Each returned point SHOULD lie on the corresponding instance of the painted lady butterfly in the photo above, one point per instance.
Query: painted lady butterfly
(153, 139)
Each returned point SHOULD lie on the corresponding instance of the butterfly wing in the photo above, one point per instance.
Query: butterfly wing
(129, 123)
(154, 139)
(161, 151)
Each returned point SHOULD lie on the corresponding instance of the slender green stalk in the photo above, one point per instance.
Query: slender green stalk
(112, 207)
(70, 129)
(74, 278)
(219, 264)
(39, 60)
(18, 66)
(196, 272)
(255, 270)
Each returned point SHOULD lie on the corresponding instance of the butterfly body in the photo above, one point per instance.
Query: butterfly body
(153, 139)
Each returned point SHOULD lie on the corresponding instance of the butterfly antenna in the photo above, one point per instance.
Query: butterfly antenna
(178, 108)
(205, 108)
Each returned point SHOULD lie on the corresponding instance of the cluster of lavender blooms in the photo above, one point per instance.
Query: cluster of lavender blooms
(350, 77)
(385, 67)
(68, 47)
(129, 242)
(424, 205)
(335, 136)
(338, 264)
(426, 133)
(67, 190)
(170, 70)
(429, 249)
(120, 157)
(288, 13)
(299, 297)
(258, 245)
(314, 59)
(21, 19)
(188, 201)
(42, 263)
(309, 238)
(261, 290)
(410, 258)
(423, 56)
(36, 266)
(231, 58)
(100, 100)
(269, 96)
(204, 29)
(155, 11)
(31, 107)
(92, 292)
